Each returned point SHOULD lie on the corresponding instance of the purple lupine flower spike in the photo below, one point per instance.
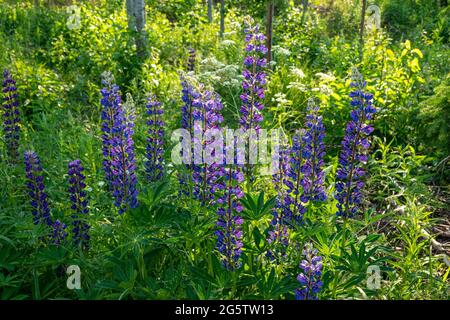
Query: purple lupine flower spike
(313, 153)
(11, 116)
(123, 162)
(155, 141)
(310, 276)
(118, 149)
(207, 118)
(282, 212)
(112, 121)
(187, 123)
(79, 204)
(58, 233)
(254, 77)
(229, 232)
(296, 175)
(354, 150)
(36, 189)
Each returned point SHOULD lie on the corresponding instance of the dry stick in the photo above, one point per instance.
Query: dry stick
(436, 245)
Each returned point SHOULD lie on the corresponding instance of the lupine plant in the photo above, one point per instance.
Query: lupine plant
(112, 122)
(79, 204)
(229, 233)
(253, 84)
(36, 189)
(282, 212)
(119, 161)
(296, 175)
(207, 118)
(230, 229)
(254, 77)
(189, 94)
(313, 153)
(155, 140)
(11, 116)
(310, 275)
(58, 233)
(354, 149)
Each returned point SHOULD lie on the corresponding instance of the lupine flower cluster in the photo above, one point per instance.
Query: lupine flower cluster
(313, 153)
(229, 233)
(189, 94)
(282, 212)
(295, 174)
(155, 140)
(207, 118)
(354, 149)
(118, 148)
(253, 84)
(254, 77)
(11, 116)
(38, 198)
(124, 165)
(58, 233)
(36, 189)
(187, 123)
(79, 204)
(112, 122)
(309, 278)
(299, 179)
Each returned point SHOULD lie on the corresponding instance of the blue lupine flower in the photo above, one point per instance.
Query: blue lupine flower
(254, 78)
(229, 233)
(155, 140)
(253, 85)
(313, 153)
(58, 233)
(118, 147)
(207, 118)
(296, 175)
(79, 204)
(354, 150)
(189, 94)
(36, 189)
(309, 278)
(282, 212)
(112, 121)
(11, 116)
(123, 164)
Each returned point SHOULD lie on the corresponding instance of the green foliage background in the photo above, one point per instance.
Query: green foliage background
(165, 248)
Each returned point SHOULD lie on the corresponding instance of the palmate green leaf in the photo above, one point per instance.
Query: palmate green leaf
(247, 280)
(8, 280)
(52, 255)
(256, 208)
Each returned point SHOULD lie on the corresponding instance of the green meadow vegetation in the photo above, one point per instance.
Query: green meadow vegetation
(167, 245)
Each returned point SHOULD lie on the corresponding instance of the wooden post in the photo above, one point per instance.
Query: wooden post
(136, 24)
(269, 26)
(210, 9)
(305, 9)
